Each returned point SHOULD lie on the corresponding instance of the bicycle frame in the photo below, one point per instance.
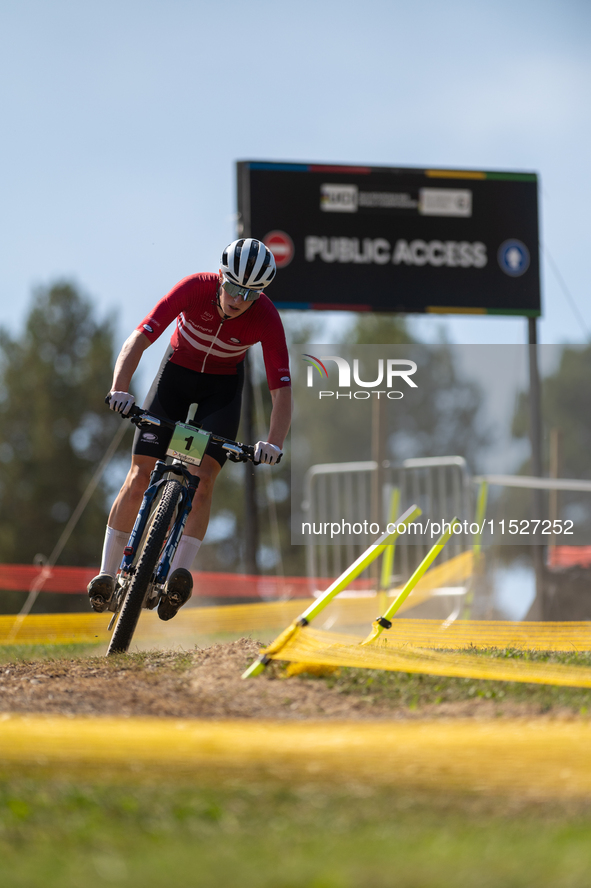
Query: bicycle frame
(236, 452)
(185, 505)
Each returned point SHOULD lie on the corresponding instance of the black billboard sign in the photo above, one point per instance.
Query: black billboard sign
(392, 239)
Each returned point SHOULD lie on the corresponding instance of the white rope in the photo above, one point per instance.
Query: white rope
(566, 291)
(39, 581)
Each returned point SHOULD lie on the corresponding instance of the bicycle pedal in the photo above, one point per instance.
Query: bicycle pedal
(169, 606)
(98, 604)
(179, 589)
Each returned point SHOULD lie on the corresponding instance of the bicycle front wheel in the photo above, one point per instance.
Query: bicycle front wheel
(146, 564)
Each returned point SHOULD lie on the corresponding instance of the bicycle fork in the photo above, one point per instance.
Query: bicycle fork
(184, 507)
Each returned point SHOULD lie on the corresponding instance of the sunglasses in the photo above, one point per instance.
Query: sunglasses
(234, 290)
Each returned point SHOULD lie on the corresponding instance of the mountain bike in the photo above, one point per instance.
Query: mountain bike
(161, 521)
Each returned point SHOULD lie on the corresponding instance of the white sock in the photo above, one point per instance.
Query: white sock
(115, 543)
(186, 552)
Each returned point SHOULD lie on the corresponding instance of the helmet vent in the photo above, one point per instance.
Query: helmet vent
(237, 254)
(251, 261)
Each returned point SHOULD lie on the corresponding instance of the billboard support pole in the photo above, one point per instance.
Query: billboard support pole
(538, 610)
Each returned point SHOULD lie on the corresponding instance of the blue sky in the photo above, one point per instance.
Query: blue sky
(122, 122)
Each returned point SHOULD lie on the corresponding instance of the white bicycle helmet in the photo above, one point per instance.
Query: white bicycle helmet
(248, 263)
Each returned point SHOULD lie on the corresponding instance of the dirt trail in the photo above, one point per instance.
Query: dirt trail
(206, 683)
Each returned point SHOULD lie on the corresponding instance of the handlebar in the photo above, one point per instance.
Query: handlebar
(235, 451)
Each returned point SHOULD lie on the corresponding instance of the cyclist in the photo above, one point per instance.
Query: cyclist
(218, 318)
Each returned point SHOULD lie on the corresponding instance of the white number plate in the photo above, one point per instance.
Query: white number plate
(188, 443)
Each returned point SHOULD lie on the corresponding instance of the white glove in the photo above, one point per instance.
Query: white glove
(266, 453)
(121, 402)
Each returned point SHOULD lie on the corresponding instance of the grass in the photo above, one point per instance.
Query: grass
(416, 691)
(11, 653)
(56, 833)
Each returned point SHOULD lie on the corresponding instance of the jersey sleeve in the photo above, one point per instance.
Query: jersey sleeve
(275, 353)
(170, 306)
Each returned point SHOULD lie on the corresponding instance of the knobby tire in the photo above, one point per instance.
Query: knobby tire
(148, 559)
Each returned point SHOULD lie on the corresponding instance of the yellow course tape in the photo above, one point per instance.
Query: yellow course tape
(92, 628)
(89, 628)
(556, 636)
(308, 645)
(192, 623)
(529, 759)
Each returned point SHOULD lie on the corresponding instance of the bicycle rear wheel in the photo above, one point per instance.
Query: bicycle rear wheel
(147, 561)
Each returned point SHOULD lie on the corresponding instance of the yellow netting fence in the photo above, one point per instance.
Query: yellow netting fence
(188, 626)
(557, 636)
(527, 759)
(195, 622)
(408, 646)
(192, 623)
(305, 645)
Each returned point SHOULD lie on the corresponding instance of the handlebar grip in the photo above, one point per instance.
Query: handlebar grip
(133, 411)
(259, 463)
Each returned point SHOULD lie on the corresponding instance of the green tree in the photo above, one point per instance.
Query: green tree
(54, 427)
(566, 405)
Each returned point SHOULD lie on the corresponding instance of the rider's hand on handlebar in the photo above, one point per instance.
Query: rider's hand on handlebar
(266, 453)
(120, 402)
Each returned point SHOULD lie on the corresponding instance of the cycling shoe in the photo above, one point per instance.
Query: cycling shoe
(100, 591)
(178, 590)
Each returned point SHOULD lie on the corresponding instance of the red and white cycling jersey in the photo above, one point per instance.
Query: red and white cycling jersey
(205, 342)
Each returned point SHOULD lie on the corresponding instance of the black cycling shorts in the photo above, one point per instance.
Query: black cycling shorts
(172, 393)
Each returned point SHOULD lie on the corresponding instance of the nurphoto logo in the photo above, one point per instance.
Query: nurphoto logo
(389, 371)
